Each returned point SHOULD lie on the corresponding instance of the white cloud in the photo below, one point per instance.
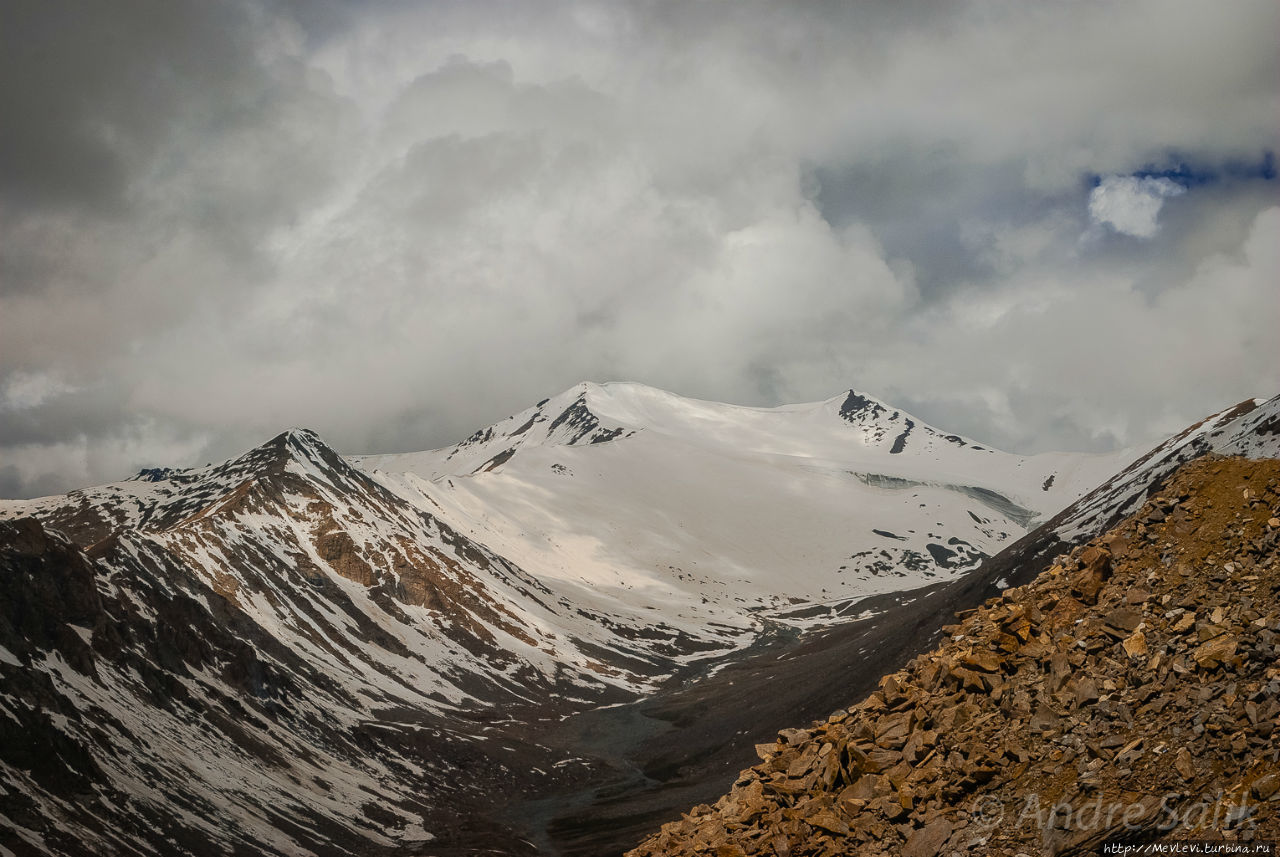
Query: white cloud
(25, 390)
(429, 216)
(1154, 364)
(1130, 204)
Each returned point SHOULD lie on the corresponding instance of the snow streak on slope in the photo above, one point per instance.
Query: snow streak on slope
(142, 714)
(717, 515)
(1251, 429)
(368, 586)
(274, 654)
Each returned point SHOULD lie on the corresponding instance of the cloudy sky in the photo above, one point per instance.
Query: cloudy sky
(1045, 225)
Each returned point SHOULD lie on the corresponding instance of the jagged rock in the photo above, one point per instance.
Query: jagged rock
(892, 731)
(828, 821)
(928, 840)
(1135, 645)
(1212, 653)
(1121, 622)
(1095, 568)
(1059, 672)
(987, 662)
(1265, 787)
(1183, 764)
(1090, 830)
(1086, 692)
(794, 736)
(1044, 719)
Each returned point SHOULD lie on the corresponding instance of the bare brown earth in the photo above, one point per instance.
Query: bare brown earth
(1129, 692)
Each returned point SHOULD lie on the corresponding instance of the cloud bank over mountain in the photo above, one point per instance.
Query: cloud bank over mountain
(1043, 226)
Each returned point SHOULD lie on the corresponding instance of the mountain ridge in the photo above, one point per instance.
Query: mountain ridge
(692, 479)
(421, 644)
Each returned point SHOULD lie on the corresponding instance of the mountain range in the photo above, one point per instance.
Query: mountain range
(526, 642)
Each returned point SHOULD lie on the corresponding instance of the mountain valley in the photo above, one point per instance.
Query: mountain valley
(546, 639)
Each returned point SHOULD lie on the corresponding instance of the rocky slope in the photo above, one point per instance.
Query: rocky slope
(276, 657)
(1131, 691)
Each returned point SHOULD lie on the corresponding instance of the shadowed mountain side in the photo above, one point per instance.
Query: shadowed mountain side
(699, 736)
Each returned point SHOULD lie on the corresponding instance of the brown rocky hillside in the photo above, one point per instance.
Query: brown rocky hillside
(1132, 691)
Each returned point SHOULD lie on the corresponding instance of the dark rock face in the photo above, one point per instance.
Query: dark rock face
(856, 405)
(582, 425)
(48, 586)
(1149, 644)
(900, 442)
(880, 421)
(110, 681)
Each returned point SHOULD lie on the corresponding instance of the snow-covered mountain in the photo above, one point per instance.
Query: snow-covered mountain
(628, 497)
(295, 652)
(375, 592)
(613, 531)
(257, 657)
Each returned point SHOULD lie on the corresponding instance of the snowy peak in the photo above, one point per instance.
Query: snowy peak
(883, 424)
(860, 408)
(575, 424)
(298, 450)
(1250, 429)
(296, 446)
(726, 516)
(591, 414)
(853, 432)
(157, 499)
(570, 419)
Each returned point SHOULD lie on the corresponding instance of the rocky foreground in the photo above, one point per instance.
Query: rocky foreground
(1131, 693)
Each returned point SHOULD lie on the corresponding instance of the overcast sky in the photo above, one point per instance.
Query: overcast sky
(1045, 225)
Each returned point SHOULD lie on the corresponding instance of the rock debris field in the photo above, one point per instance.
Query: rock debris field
(1130, 693)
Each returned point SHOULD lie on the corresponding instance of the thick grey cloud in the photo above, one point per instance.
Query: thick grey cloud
(394, 222)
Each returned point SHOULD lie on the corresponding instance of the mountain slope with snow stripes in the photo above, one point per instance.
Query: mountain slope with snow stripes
(705, 512)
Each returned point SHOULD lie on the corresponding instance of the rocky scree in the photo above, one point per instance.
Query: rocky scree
(1132, 690)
